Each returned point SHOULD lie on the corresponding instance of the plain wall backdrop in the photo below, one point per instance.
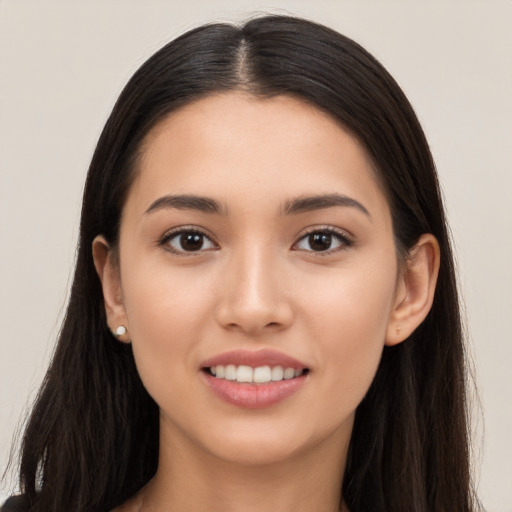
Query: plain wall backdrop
(62, 65)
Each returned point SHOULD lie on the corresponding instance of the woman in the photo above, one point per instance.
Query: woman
(264, 313)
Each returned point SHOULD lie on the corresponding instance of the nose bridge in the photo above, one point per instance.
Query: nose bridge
(253, 297)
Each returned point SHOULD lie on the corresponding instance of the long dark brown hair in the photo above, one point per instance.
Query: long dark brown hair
(92, 438)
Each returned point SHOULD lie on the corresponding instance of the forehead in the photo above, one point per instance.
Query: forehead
(233, 144)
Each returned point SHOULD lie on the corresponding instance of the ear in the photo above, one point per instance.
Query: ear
(415, 289)
(108, 273)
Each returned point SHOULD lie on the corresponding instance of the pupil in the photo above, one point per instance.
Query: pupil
(191, 241)
(320, 241)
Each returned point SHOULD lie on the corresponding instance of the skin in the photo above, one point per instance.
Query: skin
(258, 283)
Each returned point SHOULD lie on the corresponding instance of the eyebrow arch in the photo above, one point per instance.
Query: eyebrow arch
(188, 202)
(320, 202)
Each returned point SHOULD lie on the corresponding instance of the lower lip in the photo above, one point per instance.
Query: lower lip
(254, 396)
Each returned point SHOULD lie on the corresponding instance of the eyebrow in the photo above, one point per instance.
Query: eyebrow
(296, 206)
(321, 202)
(188, 202)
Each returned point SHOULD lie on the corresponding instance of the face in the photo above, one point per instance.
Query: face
(256, 245)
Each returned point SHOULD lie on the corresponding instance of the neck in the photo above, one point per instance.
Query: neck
(189, 478)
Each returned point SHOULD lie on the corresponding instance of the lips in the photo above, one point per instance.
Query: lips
(263, 357)
(254, 379)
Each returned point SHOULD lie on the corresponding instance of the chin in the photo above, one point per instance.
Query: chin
(260, 444)
(256, 452)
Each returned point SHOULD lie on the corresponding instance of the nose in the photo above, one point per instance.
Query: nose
(253, 298)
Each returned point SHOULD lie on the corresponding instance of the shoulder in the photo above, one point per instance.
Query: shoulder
(15, 504)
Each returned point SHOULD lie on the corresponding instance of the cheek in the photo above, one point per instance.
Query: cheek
(166, 317)
(349, 318)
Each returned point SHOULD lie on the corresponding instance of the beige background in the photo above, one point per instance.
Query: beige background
(62, 65)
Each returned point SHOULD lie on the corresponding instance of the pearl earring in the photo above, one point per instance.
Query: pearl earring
(120, 330)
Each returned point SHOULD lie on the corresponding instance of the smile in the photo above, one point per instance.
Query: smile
(258, 375)
(254, 379)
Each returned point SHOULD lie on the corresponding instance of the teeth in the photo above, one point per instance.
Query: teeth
(262, 374)
(230, 372)
(258, 375)
(289, 373)
(277, 373)
(244, 374)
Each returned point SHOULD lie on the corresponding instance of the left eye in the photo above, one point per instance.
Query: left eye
(189, 241)
(322, 241)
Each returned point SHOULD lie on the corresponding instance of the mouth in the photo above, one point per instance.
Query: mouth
(256, 376)
(254, 379)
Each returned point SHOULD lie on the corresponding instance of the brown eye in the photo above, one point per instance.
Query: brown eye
(320, 241)
(189, 241)
(323, 241)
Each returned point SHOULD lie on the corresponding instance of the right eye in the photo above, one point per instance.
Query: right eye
(188, 241)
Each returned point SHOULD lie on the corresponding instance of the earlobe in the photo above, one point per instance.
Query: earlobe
(108, 273)
(415, 290)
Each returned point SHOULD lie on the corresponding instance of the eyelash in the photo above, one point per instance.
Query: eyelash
(344, 241)
(164, 241)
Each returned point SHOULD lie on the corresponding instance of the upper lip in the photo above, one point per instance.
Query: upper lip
(262, 357)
